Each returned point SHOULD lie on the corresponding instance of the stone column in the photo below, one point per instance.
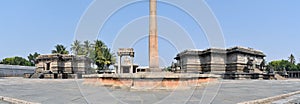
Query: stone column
(153, 39)
(131, 66)
(293, 75)
(119, 65)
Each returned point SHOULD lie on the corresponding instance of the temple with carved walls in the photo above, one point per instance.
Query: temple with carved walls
(220, 61)
(61, 66)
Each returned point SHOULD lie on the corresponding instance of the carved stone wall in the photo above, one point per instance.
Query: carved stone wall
(57, 63)
(218, 60)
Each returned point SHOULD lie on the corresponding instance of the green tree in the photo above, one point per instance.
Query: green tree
(279, 65)
(103, 57)
(109, 57)
(298, 66)
(87, 48)
(168, 69)
(16, 61)
(276, 65)
(97, 52)
(60, 49)
(32, 58)
(76, 48)
(99, 59)
(292, 59)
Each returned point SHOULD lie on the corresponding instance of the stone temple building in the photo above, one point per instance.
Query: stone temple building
(214, 60)
(61, 66)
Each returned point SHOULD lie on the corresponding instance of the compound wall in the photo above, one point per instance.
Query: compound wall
(15, 70)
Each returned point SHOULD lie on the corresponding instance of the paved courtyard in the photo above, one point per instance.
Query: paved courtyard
(75, 92)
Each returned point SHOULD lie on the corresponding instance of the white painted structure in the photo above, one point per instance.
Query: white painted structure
(15, 70)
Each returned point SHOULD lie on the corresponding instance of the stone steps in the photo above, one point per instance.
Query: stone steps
(37, 75)
(256, 70)
(279, 77)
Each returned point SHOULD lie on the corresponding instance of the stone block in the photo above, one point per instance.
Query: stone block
(49, 76)
(27, 75)
(72, 76)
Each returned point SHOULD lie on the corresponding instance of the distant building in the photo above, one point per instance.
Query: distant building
(61, 66)
(236, 59)
(15, 70)
(142, 69)
(125, 66)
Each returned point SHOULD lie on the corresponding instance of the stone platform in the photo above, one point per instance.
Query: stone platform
(75, 91)
(241, 75)
(150, 81)
(52, 76)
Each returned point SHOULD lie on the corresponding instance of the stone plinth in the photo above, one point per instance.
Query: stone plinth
(150, 81)
(27, 75)
(49, 76)
(241, 75)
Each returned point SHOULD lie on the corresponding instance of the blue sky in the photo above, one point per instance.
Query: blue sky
(273, 26)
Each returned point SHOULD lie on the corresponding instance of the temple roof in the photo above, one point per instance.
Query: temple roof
(245, 50)
(237, 49)
(63, 56)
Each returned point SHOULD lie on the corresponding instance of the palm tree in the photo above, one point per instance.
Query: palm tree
(103, 57)
(32, 58)
(76, 48)
(99, 59)
(60, 49)
(87, 48)
(292, 59)
(109, 58)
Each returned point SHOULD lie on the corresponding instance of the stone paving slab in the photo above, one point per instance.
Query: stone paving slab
(73, 91)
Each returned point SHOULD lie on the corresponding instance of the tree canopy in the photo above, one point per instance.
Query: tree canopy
(32, 57)
(289, 65)
(16, 61)
(279, 65)
(103, 56)
(60, 49)
(97, 51)
(292, 59)
(76, 48)
(85, 48)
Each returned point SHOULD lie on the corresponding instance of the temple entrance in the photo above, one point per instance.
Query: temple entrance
(55, 76)
(48, 66)
(126, 69)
